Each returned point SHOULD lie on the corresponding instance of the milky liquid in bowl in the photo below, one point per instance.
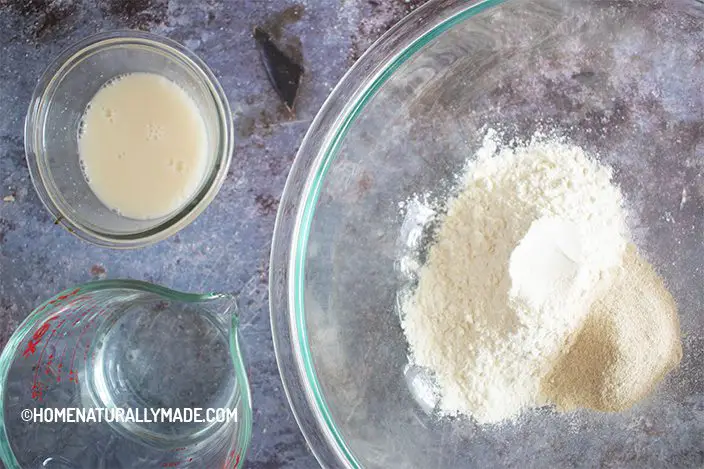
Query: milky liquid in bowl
(143, 146)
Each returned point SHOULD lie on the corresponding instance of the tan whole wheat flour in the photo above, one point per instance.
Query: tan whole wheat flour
(630, 341)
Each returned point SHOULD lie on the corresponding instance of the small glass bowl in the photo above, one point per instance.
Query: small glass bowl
(54, 117)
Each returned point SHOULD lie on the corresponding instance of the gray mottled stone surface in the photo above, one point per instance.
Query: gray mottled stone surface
(227, 247)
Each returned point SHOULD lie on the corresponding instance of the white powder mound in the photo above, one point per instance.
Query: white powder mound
(520, 256)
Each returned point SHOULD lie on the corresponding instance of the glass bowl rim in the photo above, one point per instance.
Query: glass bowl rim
(35, 120)
(296, 212)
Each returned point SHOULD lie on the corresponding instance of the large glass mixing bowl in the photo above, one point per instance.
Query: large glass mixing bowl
(623, 79)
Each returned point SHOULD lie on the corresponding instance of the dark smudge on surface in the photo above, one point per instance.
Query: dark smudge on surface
(267, 204)
(136, 14)
(43, 17)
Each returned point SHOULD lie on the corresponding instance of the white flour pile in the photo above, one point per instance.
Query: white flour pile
(521, 255)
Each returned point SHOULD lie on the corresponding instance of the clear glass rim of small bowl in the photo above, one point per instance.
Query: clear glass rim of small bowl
(35, 121)
(297, 208)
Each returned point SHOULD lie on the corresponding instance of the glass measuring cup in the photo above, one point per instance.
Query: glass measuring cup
(147, 378)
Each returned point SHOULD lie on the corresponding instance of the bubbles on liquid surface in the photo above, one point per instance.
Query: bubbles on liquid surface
(154, 132)
(82, 123)
(82, 165)
(109, 114)
(82, 126)
(112, 81)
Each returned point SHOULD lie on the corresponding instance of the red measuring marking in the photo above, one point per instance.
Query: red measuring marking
(37, 338)
(39, 333)
(37, 391)
(177, 463)
(57, 329)
(72, 374)
(60, 325)
(50, 361)
(55, 332)
(229, 460)
(78, 300)
(61, 298)
(60, 365)
(60, 355)
(61, 362)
